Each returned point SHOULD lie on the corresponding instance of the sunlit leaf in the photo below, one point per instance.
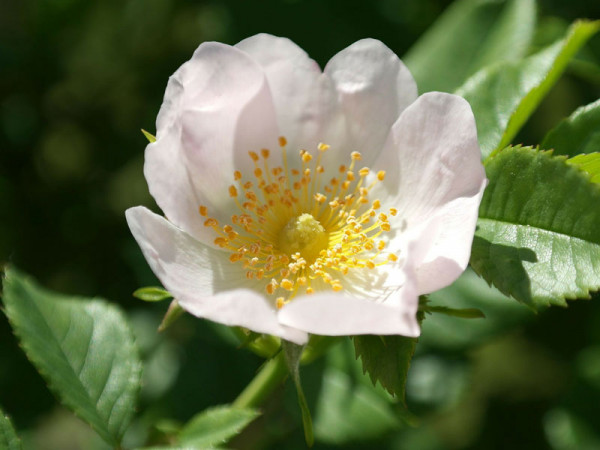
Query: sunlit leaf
(8, 436)
(579, 133)
(503, 96)
(589, 163)
(83, 348)
(215, 426)
(470, 35)
(537, 236)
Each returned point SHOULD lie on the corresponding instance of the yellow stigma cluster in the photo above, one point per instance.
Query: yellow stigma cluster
(296, 236)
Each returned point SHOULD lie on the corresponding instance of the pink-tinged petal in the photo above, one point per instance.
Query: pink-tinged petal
(305, 100)
(334, 314)
(217, 107)
(384, 301)
(373, 88)
(202, 279)
(451, 239)
(435, 178)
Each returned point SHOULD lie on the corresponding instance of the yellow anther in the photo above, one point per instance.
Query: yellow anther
(383, 217)
(210, 222)
(235, 257)
(265, 153)
(385, 226)
(336, 286)
(282, 141)
(393, 211)
(310, 290)
(320, 198)
(286, 284)
(323, 147)
(306, 157)
(370, 264)
(203, 210)
(248, 185)
(320, 169)
(301, 281)
(233, 191)
(237, 175)
(392, 257)
(376, 204)
(363, 172)
(345, 184)
(356, 156)
(258, 172)
(381, 175)
(280, 302)
(221, 242)
(381, 245)
(342, 168)
(254, 156)
(350, 175)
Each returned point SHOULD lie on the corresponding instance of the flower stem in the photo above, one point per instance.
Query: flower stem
(266, 380)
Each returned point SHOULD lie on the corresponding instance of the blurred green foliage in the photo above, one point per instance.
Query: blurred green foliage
(80, 78)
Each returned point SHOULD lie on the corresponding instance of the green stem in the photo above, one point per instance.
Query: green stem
(266, 380)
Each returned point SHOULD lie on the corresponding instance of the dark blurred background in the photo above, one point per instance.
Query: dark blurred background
(80, 78)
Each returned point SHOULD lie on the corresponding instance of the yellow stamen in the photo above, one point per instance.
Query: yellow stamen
(294, 232)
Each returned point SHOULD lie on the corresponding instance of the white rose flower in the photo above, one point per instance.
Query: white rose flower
(304, 201)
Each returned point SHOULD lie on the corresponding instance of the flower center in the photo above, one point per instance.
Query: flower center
(294, 233)
(305, 235)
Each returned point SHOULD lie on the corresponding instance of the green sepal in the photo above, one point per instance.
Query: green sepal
(152, 294)
(464, 313)
(293, 353)
(151, 138)
(173, 313)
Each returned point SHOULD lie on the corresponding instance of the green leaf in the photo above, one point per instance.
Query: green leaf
(152, 294)
(537, 236)
(386, 359)
(505, 95)
(8, 436)
(292, 353)
(215, 426)
(83, 348)
(149, 136)
(580, 133)
(588, 163)
(349, 408)
(468, 36)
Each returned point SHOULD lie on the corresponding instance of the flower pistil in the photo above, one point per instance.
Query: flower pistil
(297, 235)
